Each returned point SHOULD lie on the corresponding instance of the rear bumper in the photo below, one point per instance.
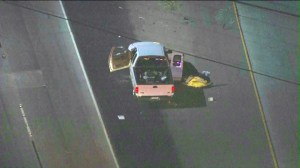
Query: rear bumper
(154, 98)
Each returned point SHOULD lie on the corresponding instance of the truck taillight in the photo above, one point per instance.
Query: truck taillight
(173, 89)
(136, 89)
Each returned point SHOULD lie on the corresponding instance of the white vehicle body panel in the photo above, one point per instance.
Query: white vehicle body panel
(147, 48)
(155, 90)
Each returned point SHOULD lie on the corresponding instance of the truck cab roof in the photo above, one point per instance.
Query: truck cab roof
(148, 48)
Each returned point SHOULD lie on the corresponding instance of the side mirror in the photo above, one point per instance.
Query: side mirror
(169, 51)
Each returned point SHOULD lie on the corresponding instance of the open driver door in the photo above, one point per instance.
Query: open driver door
(119, 58)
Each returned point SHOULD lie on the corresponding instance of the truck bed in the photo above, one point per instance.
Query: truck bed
(153, 76)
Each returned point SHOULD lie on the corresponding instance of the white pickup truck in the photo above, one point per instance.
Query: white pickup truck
(153, 69)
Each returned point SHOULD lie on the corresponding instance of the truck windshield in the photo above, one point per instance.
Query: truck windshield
(152, 61)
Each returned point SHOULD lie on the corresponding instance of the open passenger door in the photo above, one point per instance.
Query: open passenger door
(176, 64)
(119, 58)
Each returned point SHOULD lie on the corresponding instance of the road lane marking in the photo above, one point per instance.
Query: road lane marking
(262, 114)
(26, 122)
(88, 84)
(30, 135)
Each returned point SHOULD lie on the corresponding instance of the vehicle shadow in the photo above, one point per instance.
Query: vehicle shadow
(142, 139)
(186, 97)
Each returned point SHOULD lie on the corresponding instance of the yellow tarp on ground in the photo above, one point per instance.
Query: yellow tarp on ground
(196, 81)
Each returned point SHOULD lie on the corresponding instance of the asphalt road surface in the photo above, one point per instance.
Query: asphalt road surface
(57, 124)
(229, 132)
(190, 132)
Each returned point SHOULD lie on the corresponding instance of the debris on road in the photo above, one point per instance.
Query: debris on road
(199, 81)
(210, 99)
(196, 82)
(121, 117)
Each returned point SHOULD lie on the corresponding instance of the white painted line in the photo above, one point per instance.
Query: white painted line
(120, 7)
(121, 117)
(26, 122)
(89, 86)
